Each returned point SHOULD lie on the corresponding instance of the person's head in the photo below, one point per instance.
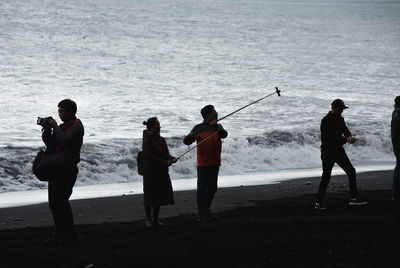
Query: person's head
(338, 106)
(153, 125)
(208, 113)
(67, 110)
(397, 101)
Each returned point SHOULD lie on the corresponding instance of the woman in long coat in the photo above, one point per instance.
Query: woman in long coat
(157, 186)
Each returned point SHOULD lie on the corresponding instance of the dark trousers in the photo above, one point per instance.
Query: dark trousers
(328, 161)
(153, 208)
(60, 190)
(207, 180)
(396, 180)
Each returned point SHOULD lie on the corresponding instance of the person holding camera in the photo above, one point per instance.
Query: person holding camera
(334, 134)
(395, 134)
(208, 136)
(67, 138)
(157, 185)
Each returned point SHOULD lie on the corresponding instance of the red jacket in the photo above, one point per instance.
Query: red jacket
(208, 152)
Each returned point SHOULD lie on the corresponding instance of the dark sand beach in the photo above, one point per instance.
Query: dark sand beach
(258, 226)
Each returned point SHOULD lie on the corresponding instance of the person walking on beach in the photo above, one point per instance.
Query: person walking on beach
(157, 185)
(68, 138)
(395, 133)
(334, 134)
(208, 159)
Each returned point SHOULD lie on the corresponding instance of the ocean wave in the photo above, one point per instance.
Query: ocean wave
(114, 161)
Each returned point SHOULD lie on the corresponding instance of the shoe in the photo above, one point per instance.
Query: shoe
(201, 219)
(157, 223)
(319, 206)
(357, 202)
(149, 223)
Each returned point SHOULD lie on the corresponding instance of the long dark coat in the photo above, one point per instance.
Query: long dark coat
(157, 186)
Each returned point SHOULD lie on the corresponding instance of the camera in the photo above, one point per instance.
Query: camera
(44, 121)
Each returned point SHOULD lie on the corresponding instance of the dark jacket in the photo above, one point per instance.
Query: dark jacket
(333, 133)
(395, 130)
(65, 138)
(157, 186)
(209, 152)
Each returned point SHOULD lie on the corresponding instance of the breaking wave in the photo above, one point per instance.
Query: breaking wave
(114, 161)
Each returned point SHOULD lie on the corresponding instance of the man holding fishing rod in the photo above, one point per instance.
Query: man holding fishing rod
(208, 136)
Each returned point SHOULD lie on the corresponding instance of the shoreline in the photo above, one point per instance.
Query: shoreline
(127, 208)
(33, 197)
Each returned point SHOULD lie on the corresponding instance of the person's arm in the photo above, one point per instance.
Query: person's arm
(395, 132)
(222, 132)
(324, 131)
(48, 138)
(346, 132)
(189, 138)
(171, 159)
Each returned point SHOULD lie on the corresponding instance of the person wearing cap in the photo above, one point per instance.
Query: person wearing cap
(334, 134)
(395, 133)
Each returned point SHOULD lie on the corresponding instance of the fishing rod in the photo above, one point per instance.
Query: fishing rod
(277, 91)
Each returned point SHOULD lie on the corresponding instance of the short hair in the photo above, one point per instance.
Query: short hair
(68, 105)
(206, 111)
(150, 123)
(397, 100)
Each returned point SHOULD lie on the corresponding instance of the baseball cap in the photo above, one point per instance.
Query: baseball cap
(338, 103)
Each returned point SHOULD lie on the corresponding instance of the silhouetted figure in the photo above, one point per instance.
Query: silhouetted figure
(67, 138)
(334, 134)
(395, 130)
(208, 158)
(157, 186)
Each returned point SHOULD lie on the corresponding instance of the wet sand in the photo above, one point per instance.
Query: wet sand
(258, 226)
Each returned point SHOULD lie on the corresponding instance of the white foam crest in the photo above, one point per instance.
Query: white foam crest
(115, 161)
(239, 156)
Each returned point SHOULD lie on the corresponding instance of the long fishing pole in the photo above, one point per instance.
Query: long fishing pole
(277, 91)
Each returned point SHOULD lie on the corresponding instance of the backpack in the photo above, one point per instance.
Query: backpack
(140, 162)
